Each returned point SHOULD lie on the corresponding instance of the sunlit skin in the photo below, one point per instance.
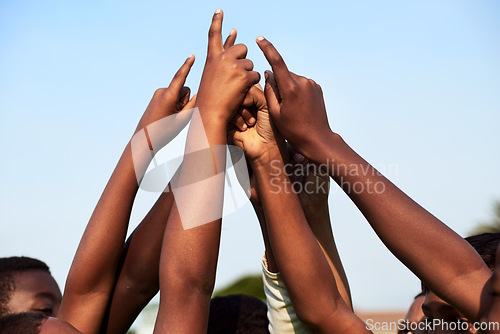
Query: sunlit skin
(35, 291)
(409, 231)
(92, 276)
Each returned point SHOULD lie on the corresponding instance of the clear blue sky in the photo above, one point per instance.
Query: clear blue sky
(411, 85)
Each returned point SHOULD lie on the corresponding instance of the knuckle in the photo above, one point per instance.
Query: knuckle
(243, 48)
(292, 90)
(212, 32)
(276, 58)
(160, 92)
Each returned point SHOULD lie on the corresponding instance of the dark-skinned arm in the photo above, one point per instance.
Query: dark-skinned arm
(92, 275)
(302, 264)
(138, 278)
(191, 242)
(443, 260)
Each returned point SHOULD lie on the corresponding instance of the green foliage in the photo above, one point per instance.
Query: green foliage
(492, 226)
(251, 285)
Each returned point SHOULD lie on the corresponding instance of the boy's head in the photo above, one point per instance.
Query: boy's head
(435, 308)
(414, 315)
(26, 285)
(237, 314)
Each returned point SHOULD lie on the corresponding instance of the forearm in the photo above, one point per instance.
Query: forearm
(270, 260)
(138, 277)
(301, 262)
(318, 218)
(92, 274)
(417, 238)
(187, 273)
(192, 236)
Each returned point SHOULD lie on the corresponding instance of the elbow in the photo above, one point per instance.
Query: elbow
(141, 288)
(316, 318)
(186, 283)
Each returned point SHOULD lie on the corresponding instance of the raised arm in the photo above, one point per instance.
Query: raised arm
(138, 272)
(138, 277)
(92, 274)
(191, 241)
(452, 269)
(312, 187)
(301, 262)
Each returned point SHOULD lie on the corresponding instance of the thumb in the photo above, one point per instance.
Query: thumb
(234, 137)
(191, 103)
(272, 94)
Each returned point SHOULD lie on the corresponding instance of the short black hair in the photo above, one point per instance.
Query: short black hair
(240, 314)
(25, 323)
(9, 266)
(486, 245)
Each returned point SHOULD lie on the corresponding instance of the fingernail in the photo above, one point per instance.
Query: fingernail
(266, 74)
(190, 56)
(244, 126)
(232, 32)
(299, 157)
(251, 120)
(218, 11)
(260, 38)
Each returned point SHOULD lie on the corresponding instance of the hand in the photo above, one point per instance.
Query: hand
(226, 78)
(166, 102)
(295, 104)
(262, 136)
(171, 100)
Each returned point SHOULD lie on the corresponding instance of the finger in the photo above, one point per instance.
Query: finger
(230, 39)
(230, 136)
(277, 63)
(294, 154)
(239, 51)
(215, 33)
(191, 103)
(234, 137)
(272, 94)
(299, 158)
(239, 122)
(253, 77)
(247, 64)
(255, 98)
(180, 77)
(184, 96)
(247, 117)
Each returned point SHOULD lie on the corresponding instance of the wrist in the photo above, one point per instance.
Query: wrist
(214, 113)
(320, 150)
(268, 159)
